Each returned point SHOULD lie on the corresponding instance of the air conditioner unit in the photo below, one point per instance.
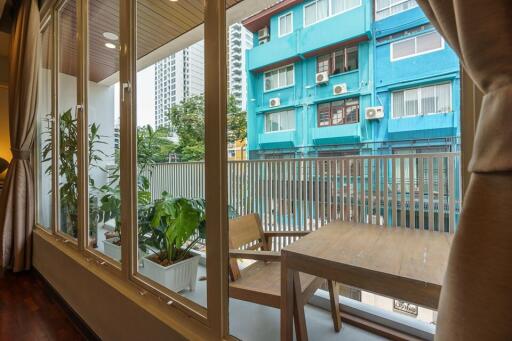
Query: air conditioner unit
(373, 113)
(263, 33)
(339, 89)
(274, 102)
(322, 77)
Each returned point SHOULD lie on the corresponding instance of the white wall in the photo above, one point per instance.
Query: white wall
(101, 111)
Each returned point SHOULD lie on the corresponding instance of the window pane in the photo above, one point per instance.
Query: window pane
(285, 24)
(288, 120)
(322, 9)
(381, 4)
(338, 62)
(104, 130)
(282, 78)
(324, 115)
(352, 111)
(352, 59)
(428, 100)
(398, 104)
(428, 42)
(290, 75)
(44, 132)
(338, 6)
(444, 100)
(68, 128)
(411, 102)
(310, 14)
(323, 63)
(403, 48)
(338, 112)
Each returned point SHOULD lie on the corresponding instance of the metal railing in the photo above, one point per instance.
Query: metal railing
(413, 191)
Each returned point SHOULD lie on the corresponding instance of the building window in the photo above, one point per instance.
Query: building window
(342, 60)
(279, 78)
(433, 99)
(338, 112)
(422, 44)
(279, 121)
(318, 10)
(386, 8)
(285, 24)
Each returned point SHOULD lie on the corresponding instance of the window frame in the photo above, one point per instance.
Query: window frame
(332, 60)
(389, 8)
(415, 38)
(330, 13)
(419, 100)
(344, 115)
(265, 90)
(287, 111)
(279, 33)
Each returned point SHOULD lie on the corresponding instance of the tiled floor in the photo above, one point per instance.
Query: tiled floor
(250, 321)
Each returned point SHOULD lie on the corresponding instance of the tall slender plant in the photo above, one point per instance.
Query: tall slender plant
(67, 169)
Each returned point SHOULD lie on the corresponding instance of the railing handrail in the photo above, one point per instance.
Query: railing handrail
(345, 157)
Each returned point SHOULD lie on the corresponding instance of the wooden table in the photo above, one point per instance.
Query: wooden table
(400, 263)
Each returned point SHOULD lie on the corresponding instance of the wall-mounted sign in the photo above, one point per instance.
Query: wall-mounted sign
(405, 307)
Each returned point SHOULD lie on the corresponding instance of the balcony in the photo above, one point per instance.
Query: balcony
(342, 134)
(278, 139)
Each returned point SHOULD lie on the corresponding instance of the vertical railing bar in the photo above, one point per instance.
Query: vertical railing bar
(377, 191)
(451, 193)
(363, 191)
(355, 188)
(317, 193)
(342, 189)
(370, 190)
(393, 193)
(421, 195)
(311, 195)
(349, 191)
(403, 204)
(440, 189)
(431, 226)
(385, 189)
(412, 195)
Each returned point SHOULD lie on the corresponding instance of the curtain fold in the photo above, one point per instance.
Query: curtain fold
(477, 290)
(17, 208)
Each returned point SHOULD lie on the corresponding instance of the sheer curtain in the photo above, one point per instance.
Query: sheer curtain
(17, 209)
(477, 290)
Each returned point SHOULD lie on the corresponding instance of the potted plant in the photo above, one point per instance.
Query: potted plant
(176, 225)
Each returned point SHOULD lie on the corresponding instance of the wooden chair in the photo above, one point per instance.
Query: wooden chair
(260, 282)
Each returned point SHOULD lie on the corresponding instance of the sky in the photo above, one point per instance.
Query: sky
(145, 97)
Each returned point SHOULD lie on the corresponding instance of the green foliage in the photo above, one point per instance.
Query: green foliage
(68, 172)
(188, 120)
(174, 221)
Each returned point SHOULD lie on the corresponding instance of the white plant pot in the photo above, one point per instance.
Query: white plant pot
(177, 277)
(114, 251)
(111, 249)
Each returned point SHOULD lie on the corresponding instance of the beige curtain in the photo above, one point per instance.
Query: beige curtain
(477, 293)
(17, 199)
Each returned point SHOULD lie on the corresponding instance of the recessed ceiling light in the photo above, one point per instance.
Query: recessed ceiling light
(110, 36)
(173, 0)
(110, 45)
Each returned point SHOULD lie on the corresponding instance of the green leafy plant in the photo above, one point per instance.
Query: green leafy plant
(68, 172)
(174, 223)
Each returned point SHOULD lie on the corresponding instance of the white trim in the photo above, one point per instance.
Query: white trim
(389, 8)
(329, 15)
(280, 112)
(279, 87)
(391, 48)
(418, 89)
(279, 34)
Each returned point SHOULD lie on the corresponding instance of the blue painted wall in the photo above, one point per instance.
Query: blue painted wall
(372, 83)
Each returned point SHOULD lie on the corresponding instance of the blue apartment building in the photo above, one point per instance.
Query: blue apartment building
(349, 77)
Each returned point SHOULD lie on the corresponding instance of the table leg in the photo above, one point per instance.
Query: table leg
(287, 288)
(298, 309)
(335, 304)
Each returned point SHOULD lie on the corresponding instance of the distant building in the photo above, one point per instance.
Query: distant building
(239, 41)
(349, 77)
(177, 77)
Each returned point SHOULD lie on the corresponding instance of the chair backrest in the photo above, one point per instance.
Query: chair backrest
(244, 231)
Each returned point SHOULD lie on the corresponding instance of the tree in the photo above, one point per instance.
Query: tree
(188, 120)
